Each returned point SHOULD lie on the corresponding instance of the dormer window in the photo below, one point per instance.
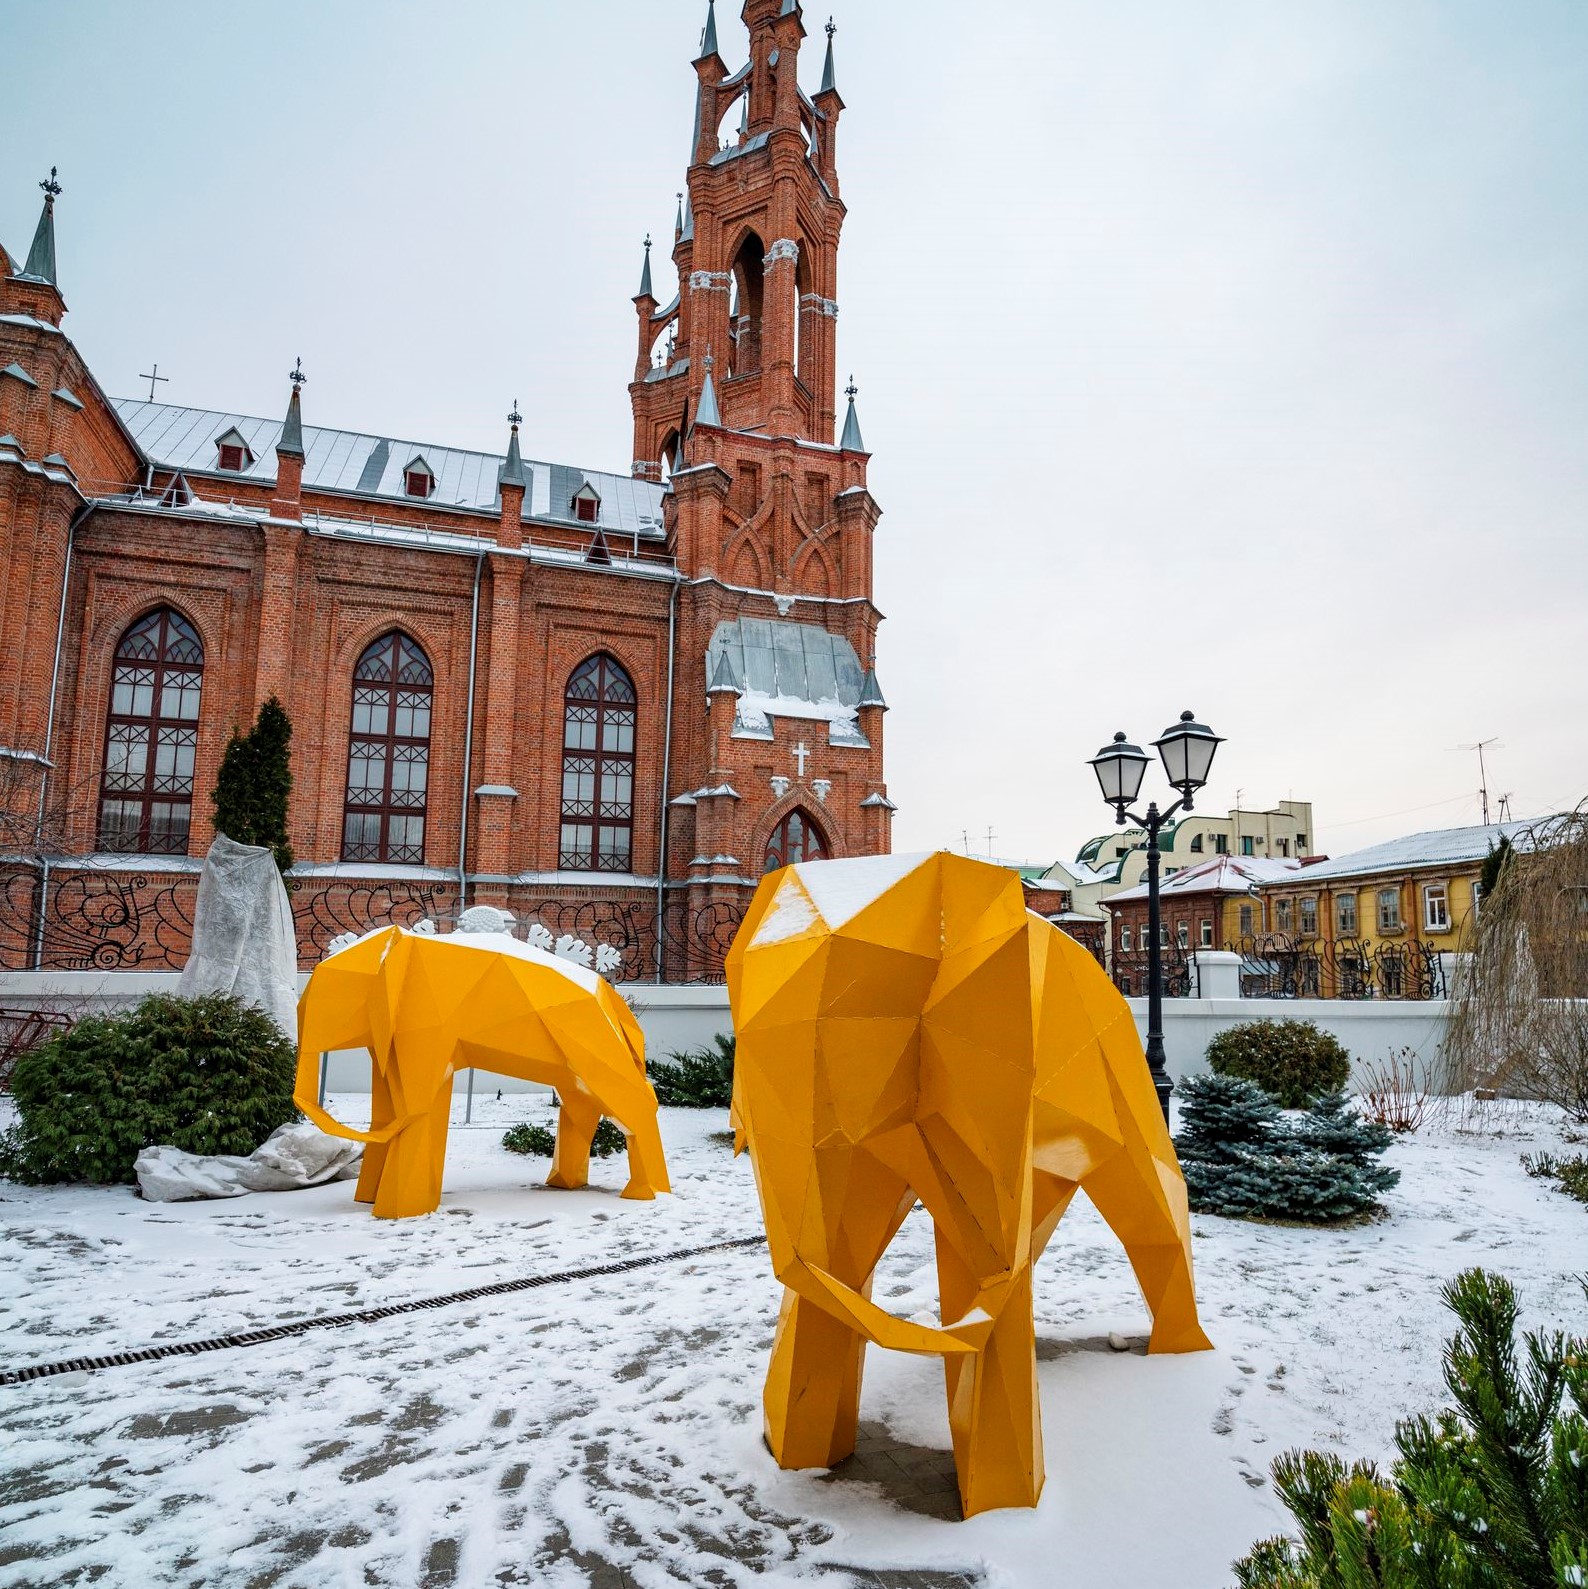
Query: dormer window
(232, 453)
(587, 504)
(419, 479)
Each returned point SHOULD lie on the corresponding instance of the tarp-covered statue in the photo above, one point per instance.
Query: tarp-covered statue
(244, 942)
(908, 1030)
(428, 1006)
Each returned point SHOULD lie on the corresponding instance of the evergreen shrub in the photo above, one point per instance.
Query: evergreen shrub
(1489, 1494)
(1242, 1157)
(698, 1078)
(207, 1075)
(255, 784)
(541, 1141)
(1293, 1061)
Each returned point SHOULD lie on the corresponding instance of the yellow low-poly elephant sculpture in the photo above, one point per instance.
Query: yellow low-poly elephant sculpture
(908, 1030)
(427, 1007)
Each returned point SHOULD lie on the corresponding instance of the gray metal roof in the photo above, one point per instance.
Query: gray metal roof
(789, 670)
(1441, 847)
(40, 264)
(348, 461)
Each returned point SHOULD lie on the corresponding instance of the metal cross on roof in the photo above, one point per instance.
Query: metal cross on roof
(647, 242)
(515, 419)
(297, 377)
(51, 188)
(851, 390)
(153, 376)
(832, 27)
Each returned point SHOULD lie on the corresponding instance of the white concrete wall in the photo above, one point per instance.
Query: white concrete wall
(672, 1018)
(1370, 1029)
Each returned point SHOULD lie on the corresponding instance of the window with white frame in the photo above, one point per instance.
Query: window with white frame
(1206, 933)
(1248, 919)
(1124, 940)
(1436, 907)
(1345, 915)
(1284, 915)
(1182, 935)
(1389, 910)
(1309, 915)
(1477, 896)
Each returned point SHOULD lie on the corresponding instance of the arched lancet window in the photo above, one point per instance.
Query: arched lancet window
(151, 737)
(796, 838)
(747, 282)
(597, 769)
(388, 755)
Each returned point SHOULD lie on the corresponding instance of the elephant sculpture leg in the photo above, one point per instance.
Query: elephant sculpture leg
(410, 1177)
(994, 1416)
(578, 1116)
(382, 1111)
(812, 1396)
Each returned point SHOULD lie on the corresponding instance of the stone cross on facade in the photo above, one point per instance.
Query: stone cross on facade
(801, 755)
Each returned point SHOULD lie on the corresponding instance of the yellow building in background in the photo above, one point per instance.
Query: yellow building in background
(1375, 921)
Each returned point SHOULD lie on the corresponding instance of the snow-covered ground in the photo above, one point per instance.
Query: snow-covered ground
(553, 1435)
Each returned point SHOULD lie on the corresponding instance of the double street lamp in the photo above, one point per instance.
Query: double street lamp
(1187, 749)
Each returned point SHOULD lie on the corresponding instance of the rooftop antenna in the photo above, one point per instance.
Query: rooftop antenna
(1505, 808)
(1483, 776)
(989, 844)
(153, 376)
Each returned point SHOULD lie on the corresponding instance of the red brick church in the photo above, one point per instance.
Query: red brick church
(606, 701)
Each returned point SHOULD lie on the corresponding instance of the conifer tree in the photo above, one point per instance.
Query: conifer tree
(1490, 1494)
(255, 784)
(1241, 1157)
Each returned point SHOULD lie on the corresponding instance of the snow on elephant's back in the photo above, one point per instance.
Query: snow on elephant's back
(831, 892)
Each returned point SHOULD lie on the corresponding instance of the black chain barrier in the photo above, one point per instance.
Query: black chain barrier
(337, 1321)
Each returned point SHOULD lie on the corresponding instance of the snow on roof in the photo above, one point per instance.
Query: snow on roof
(1223, 874)
(373, 466)
(1076, 873)
(1440, 847)
(795, 670)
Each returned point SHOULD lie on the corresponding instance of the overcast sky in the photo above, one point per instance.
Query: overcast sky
(1230, 355)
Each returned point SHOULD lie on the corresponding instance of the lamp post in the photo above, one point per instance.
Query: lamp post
(1186, 749)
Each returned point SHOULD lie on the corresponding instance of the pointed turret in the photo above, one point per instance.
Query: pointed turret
(645, 273)
(708, 36)
(678, 221)
(287, 503)
(688, 233)
(871, 691)
(706, 410)
(512, 473)
(291, 441)
(851, 441)
(722, 680)
(829, 75)
(40, 264)
(512, 481)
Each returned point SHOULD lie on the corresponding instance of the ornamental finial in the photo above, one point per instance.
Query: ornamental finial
(515, 419)
(297, 377)
(51, 186)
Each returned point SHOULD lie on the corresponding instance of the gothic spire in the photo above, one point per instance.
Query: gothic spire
(645, 274)
(851, 441)
(291, 441)
(829, 77)
(708, 38)
(513, 470)
(706, 410)
(678, 221)
(41, 257)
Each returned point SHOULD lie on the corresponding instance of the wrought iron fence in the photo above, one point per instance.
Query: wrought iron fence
(1129, 972)
(113, 920)
(1278, 966)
